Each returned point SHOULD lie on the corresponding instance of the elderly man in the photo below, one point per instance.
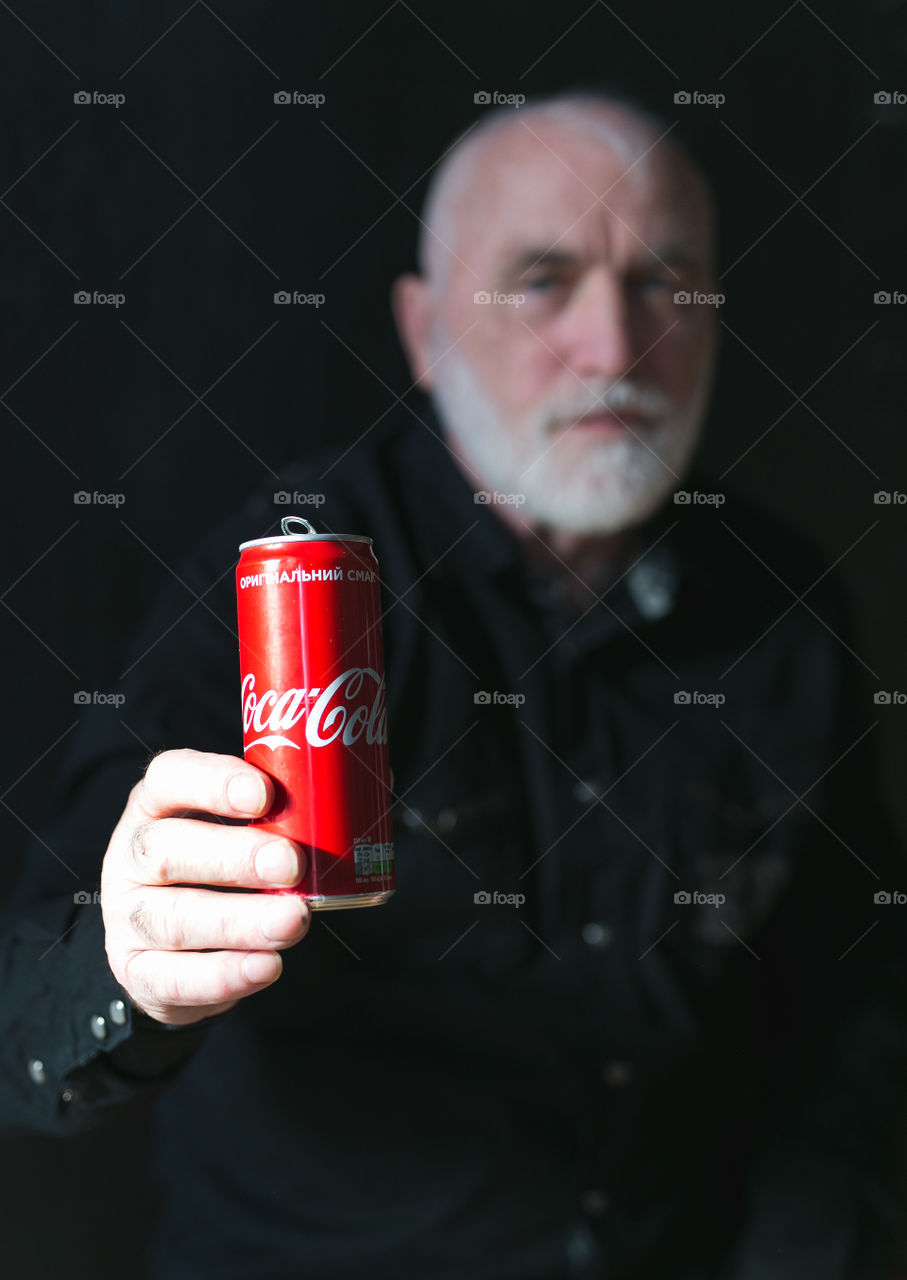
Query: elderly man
(633, 1011)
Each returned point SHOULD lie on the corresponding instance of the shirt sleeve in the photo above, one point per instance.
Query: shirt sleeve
(71, 1043)
(821, 1196)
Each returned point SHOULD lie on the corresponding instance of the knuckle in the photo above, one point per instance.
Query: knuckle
(139, 842)
(140, 920)
(152, 784)
(236, 924)
(148, 854)
(173, 925)
(166, 982)
(145, 786)
(138, 982)
(175, 987)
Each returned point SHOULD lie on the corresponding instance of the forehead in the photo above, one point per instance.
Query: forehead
(617, 191)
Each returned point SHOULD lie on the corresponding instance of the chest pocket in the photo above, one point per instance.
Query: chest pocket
(459, 857)
(735, 859)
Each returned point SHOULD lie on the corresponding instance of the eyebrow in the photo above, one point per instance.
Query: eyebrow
(524, 260)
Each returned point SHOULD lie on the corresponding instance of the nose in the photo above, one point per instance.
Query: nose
(595, 333)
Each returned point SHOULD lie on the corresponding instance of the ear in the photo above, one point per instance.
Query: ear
(414, 312)
(716, 286)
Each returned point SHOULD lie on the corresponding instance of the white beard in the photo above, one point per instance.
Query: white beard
(569, 482)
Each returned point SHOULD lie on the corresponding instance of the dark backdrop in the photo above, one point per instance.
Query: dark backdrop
(198, 197)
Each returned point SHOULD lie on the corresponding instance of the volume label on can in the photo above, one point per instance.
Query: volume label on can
(373, 859)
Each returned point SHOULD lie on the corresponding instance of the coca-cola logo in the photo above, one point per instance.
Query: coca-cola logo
(340, 710)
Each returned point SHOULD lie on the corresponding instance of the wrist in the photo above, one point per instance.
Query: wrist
(155, 1048)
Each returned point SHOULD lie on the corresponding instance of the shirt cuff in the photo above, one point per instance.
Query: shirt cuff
(81, 1044)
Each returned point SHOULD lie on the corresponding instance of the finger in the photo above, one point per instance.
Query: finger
(178, 781)
(196, 919)
(167, 979)
(189, 851)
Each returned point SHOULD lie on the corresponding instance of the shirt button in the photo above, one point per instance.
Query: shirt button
(36, 1071)
(587, 790)
(595, 1202)
(98, 1026)
(581, 1248)
(70, 1095)
(652, 585)
(118, 1012)
(596, 934)
(617, 1073)
(447, 820)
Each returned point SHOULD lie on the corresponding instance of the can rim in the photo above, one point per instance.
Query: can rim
(305, 537)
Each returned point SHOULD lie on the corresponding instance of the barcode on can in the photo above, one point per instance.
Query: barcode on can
(373, 859)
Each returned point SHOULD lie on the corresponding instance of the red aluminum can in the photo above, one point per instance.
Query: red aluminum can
(313, 706)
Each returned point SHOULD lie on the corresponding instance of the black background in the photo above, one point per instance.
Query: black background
(199, 386)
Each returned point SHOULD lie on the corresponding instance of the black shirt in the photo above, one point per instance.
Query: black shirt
(633, 1011)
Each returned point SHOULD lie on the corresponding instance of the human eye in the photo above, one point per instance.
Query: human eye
(544, 282)
(653, 282)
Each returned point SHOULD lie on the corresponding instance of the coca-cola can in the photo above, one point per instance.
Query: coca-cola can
(313, 706)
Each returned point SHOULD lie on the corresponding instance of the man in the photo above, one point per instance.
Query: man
(632, 1011)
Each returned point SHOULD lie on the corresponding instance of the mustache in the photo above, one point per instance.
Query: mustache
(629, 395)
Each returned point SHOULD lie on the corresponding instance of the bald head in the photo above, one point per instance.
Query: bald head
(502, 143)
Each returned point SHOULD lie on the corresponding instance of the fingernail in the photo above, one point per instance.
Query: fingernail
(246, 792)
(260, 967)
(276, 864)
(275, 926)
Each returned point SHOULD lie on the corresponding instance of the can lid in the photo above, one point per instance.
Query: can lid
(311, 534)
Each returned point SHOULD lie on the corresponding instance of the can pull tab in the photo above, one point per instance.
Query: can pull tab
(288, 521)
